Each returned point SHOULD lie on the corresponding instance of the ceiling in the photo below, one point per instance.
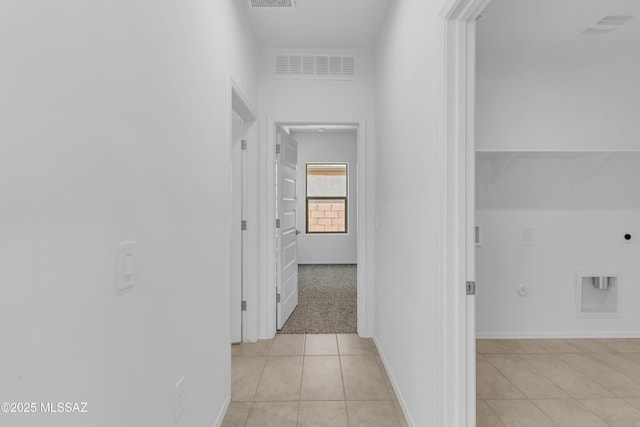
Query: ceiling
(548, 23)
(338, 24)
(319, 24)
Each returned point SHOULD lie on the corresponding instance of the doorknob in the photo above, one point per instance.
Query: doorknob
(297, 232)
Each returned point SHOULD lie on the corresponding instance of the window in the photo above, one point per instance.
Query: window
(326, 198)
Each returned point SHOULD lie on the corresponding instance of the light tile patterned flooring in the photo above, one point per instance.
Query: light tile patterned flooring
(559, 382)
(339, 381)
(311, 381)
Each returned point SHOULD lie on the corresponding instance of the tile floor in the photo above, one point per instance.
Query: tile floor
(311, 381)
(338, 380)
(563, 382)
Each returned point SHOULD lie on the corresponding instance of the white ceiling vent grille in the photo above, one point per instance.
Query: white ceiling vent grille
(315, 67)
(608, 24)
(286, 4)
(615, 20)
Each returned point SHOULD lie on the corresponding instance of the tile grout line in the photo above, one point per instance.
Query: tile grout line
(266, 360)
(554, 355)
(620, 371)
(505, 378)
(589, 409)
(344, 389)
(304, 356)
(599, 382)
(542, 374)
(492, 411)
(543, 412)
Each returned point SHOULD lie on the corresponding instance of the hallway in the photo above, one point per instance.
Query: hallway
(312, 381)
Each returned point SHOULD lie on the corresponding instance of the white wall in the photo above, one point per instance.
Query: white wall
(558, 98)
(580, 205)
(568, 242)
(407, 194)
(314, 101)
(114, 124)
(330, 147)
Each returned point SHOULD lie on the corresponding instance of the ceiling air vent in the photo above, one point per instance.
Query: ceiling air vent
(608, 24)
(280, 4)
(315, 67)
(615, 20)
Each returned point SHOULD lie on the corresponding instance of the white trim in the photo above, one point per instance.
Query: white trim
(456, 358)
(558, 150)
(556, 335)
(239, 103)
(365, 286)
(223, 412)
(394, 384)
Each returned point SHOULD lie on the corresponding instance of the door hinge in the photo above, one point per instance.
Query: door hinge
(243, 225)
(243, 306)
(277, 297)
(471, 288)
(277, 148)
(243, 144)
(277, 223)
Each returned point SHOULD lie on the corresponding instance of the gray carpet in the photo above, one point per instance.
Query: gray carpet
(326, 300)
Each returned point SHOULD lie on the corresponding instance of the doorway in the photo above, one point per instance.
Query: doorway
(360, 217)
(589, 161)
(325, 228)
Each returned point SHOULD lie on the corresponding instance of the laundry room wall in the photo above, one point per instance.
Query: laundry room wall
(558, 98)
(578, 208)
(557, 135)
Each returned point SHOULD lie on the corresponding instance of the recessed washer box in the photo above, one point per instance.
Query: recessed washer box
(598, 294)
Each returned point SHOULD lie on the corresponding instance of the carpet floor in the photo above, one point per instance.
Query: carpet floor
(327, 301)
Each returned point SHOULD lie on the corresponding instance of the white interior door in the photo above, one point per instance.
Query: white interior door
(236, 233)
(286, 238)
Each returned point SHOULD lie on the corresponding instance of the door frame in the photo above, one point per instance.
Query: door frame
(237, 181)
(457, 334)
(239, 104)
(365, 289)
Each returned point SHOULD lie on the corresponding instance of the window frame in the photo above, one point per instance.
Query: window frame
(338, 198)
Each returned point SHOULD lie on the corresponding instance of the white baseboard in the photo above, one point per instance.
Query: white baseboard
(302, 262)
(403, 405)
(222, 412)
(551, 335)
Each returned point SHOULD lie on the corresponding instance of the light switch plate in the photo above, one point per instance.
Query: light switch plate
(126, 265)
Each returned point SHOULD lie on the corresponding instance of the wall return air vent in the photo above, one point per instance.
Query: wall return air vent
(279, 4)
(315, 66)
